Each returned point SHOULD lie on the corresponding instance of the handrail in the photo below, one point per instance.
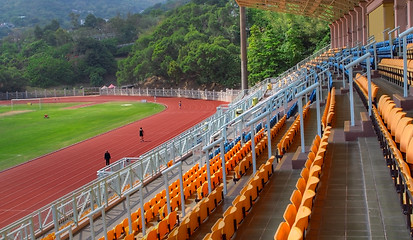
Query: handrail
(350, 68)
(404, 36)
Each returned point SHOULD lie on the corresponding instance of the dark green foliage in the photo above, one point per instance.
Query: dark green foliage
(279, 41)
(196, 42)
(11, 79)
(45, 71)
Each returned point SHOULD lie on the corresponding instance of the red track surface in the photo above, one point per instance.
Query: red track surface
(32, 185)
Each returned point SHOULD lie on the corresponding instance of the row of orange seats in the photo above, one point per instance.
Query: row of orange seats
(197, 177)
(226, 226)
(392, 70)
(395, 132)
(200, 177)
(201, 211)
(362, 84)
(328, 114)
(288, 137)
(399, 126)
(262, 142)
(297, 213)
(152, 209)
(161, 230)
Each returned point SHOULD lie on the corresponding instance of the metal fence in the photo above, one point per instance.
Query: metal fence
(228, 95)
(49, 93)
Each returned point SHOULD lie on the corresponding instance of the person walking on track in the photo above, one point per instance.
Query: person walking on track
(107, 158)
(141, 134)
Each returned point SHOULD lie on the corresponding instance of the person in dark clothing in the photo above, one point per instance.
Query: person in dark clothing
(107, 158)
(141, 134)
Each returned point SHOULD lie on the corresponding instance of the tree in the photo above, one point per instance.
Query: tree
(279, 41)
(45, 71)
(91, 21)
(74, 20)
(38, 32)
(53, 26)
(11, 79)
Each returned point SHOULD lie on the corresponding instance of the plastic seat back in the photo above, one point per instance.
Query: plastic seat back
(406, 137)
(163, 228)
(289, 214)
(300, 185)
(296, 198)
(282, 231)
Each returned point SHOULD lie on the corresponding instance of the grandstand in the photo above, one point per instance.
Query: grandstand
(323, 151)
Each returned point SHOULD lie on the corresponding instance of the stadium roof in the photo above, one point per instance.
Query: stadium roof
(328, 10)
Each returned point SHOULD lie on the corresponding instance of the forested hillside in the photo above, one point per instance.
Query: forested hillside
(200, 42)
(278, 41)
(195, 45)
(23, 13)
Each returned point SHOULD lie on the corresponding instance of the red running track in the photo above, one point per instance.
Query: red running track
(32, 185)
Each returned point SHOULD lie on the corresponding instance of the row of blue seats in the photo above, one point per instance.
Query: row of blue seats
(227, 146)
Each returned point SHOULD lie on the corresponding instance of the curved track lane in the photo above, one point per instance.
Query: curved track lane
(30, 186)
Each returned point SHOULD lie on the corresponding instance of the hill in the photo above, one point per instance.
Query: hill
(194, 45)
(23, 13)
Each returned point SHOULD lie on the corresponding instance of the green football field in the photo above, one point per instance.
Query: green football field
(26, 134)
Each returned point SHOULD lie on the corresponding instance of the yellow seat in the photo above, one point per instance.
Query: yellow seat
(182, 231)
(400, 127)
(300, 185)
(118, 230)
(295, 234)
(308, 198)
(172, 219)
(163, 228)
(312, 183)
(289, 214)
(282, 231)
(301, 220)
(296, 198)
(229, 224)
(406, 137)
(130, 237)
(152, 234)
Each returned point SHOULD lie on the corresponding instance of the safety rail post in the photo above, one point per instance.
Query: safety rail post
(343, 61)
(90, 216)
(404, 36)
(391, 39)
(350, 68)
(165, 176)
(224, 169)
(321, 75)
(373, 43)
(300, 106)
(270, 108)
(252, 124)
(384, 33)
(129, 192)
(69, 229)
(206, 150)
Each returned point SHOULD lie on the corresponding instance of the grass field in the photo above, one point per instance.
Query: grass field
(27, 135)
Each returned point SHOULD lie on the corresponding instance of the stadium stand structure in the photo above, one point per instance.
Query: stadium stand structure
(240, 191)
